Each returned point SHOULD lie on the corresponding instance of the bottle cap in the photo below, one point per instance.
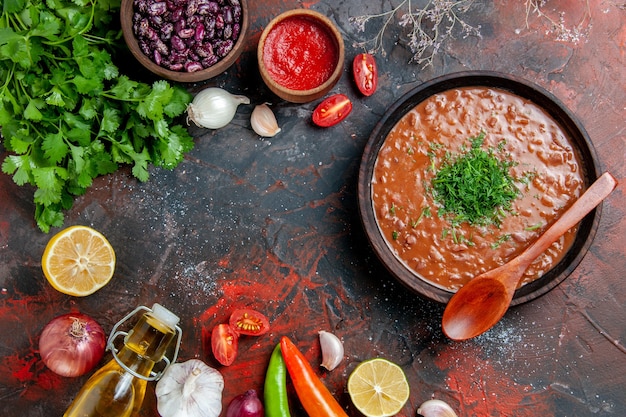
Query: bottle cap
(164, 315)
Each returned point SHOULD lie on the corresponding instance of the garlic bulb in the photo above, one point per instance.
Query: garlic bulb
(332, 350)
(435, 408)
(214, 107)
(263, 121)
(190, 389)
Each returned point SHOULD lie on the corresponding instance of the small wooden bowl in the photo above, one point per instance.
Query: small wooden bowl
(302, 96)
(126, 17)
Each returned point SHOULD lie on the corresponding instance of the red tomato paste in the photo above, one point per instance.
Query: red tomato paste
(299, 53)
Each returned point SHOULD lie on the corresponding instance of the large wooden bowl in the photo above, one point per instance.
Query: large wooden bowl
(302, 96)
(568, 123)
(126, 17)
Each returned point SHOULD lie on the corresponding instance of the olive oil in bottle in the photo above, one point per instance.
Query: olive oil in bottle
(118, 388)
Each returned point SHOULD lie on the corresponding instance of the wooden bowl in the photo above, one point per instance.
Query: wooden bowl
(295, 95)
(559, 113)
(126, 17)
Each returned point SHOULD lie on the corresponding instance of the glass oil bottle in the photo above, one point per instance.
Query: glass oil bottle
(118, 388)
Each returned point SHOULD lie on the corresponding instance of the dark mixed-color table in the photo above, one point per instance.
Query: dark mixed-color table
(273, 224)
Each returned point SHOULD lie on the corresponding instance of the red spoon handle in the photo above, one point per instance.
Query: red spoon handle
(594, 195)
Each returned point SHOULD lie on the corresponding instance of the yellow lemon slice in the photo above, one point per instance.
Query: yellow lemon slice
(78, 261)
(378, 388)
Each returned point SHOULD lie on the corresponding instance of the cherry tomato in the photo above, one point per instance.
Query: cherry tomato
(365, 73)
(332, 110)
(224, 343)
(249, 322)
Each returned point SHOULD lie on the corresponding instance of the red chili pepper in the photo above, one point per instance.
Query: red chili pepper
(313, 394)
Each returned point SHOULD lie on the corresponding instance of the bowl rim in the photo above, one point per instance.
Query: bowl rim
(316, 92)
(538, 95)
(126, 9)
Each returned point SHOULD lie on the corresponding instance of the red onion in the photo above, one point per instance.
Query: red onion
(72, 344)
(245, 405)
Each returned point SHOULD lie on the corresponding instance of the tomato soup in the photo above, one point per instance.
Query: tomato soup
(300, 53)
(447, 254)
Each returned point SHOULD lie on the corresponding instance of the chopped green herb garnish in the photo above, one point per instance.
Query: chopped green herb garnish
(392, 209)
(425, 213)
(394, 235)
(475, 186)
(504, 238)
(533, 227)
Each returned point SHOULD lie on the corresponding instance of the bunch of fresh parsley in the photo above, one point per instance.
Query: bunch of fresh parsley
(67, 114)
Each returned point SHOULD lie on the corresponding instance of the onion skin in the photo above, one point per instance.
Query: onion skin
(72, 344)
(245, 405)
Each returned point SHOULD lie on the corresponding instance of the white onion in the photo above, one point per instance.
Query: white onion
(72, 344)
(213, 107)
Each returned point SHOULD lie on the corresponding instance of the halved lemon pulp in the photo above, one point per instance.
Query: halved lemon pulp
(378, 388)
(78, 261)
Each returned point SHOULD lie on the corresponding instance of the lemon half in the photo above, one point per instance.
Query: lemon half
(78, 261)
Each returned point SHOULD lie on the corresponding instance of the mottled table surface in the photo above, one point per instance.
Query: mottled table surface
(273, 224)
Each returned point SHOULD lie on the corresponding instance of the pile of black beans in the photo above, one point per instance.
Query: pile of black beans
(186, 35)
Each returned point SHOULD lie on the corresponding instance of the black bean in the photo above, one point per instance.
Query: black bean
(191, 66)
(192, 7)
(177, 43)
(177, 14)
(166, 30)
(209, 22)
(227, 12)
(179, 25)
(214, 8)
(156, 21)
(204, 51)
(237, 13)
(224, 48)
(145, 47)
(219, 21)
(210, 61)
(141, 6)
(209, 33)
(157, 57)
(228, 32)
(194, 20)
(156, 9)
(236, 31)
(186, 35)
(160, 46)
(199, 34)
(179, 57)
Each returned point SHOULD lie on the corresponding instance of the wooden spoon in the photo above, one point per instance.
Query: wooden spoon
(482, 302)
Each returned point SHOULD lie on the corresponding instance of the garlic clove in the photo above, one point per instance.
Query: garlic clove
(332, 350)
(263, 121)
(435, 408)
